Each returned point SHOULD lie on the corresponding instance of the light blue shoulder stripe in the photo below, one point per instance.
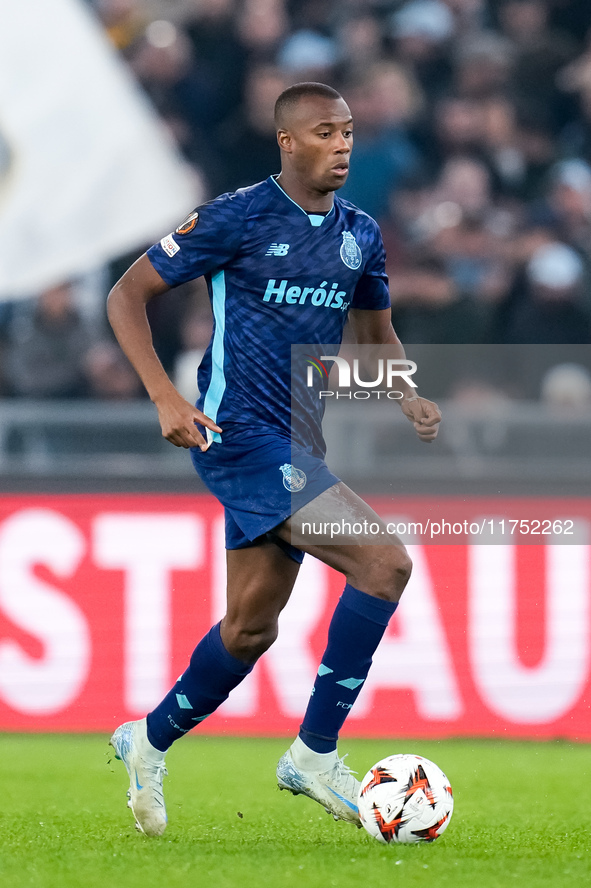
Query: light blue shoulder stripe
(217, 383)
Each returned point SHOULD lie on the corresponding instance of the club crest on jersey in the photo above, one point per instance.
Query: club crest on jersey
(189, 223)
(350, 252)
(294, 479)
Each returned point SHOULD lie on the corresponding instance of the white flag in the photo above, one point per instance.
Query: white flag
(87, 171)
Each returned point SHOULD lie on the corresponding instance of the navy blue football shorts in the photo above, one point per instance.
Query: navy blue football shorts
(261, 478)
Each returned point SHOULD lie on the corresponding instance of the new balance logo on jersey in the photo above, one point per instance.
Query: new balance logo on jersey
(278, 250)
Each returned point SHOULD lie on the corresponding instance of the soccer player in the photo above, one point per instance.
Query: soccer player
(286, 261)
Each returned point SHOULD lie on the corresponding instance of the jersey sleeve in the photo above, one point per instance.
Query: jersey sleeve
(207, 239)
(372, 291)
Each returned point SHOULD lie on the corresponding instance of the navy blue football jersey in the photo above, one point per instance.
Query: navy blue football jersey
(277, 276)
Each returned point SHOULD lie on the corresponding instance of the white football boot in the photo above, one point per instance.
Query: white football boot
(145, 766)
(322, 777)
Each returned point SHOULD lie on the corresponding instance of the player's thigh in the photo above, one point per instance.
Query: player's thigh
(342, 530)
(260, 582)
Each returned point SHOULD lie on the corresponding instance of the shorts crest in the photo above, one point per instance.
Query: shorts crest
(294, 479)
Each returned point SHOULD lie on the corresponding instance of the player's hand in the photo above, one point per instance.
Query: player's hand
(177, 420)
(425, 416)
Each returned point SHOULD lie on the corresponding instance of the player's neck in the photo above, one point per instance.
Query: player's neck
(310, 200)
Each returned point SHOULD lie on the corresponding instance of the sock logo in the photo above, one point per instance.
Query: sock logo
(183, 702)
(351, 683)
(177, 727)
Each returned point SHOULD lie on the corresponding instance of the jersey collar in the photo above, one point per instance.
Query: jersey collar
(315, 219)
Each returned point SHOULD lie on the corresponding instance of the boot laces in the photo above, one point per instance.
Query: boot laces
(155, 772)
(344, 776)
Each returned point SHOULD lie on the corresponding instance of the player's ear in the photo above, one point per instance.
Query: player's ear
(284, 140)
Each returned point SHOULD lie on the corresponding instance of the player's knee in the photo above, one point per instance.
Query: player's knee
(387, 574)
(248, 643)
(403, 569)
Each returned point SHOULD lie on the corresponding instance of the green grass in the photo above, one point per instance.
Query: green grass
(522, 817)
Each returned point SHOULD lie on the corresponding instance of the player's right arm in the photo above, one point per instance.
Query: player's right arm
(126, 308)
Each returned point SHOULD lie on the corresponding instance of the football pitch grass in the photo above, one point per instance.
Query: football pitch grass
(522, 817)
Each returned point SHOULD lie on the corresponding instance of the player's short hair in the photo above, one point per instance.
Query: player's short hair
(292, 95)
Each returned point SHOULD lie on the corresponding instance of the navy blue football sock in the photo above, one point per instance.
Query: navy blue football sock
(356, 629)
(211, 675)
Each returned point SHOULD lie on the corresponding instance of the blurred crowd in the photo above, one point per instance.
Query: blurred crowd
(472, 150)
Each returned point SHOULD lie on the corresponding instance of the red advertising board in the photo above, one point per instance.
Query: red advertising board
(103, 598)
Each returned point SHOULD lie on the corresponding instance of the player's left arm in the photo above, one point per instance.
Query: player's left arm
(374, 327)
